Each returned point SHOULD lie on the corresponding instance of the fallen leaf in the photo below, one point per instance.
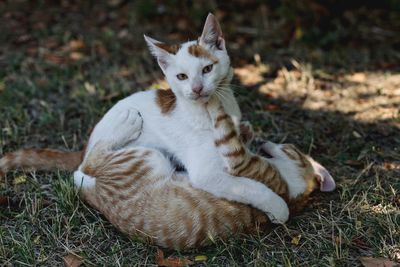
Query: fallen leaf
(72, 260)
(356, 134)
(90, 88)
(377, 262)
(296, 240)
(75, 44)
(75, 56)
(171, 261)
(55, 59)
(123, 72)
(391, 165)
(200, 258)
(271, 107)
(19, 180)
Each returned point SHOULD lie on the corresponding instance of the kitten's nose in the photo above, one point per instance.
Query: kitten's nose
(197, 89)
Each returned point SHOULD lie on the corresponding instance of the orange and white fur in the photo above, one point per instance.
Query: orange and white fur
(138, 190)
(177, 123)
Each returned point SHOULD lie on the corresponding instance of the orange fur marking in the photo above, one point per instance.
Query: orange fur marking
(225, 139)
(166, 100)
(199, 51)
(236, 153)
(220, 119)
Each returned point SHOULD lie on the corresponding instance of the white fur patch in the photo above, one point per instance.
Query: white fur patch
(288, 169)
(83, 180)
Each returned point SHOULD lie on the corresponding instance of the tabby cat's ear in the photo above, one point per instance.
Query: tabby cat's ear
(324, 178)
(212, 34)
(159, 53)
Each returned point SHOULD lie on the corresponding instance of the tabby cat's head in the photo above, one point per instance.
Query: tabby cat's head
(293, 163)
(195, 69)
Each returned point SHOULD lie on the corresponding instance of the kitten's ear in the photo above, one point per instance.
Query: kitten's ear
(212, 34)
(324, 178)
(160, 54)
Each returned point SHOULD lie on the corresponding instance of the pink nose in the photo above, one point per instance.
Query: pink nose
(197, 89)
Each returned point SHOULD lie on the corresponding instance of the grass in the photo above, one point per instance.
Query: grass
(63, 65)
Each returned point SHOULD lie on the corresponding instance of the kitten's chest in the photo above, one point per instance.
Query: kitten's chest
(187, 133)
(175, 132)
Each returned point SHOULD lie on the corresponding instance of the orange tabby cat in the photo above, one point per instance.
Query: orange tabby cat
(139, 191)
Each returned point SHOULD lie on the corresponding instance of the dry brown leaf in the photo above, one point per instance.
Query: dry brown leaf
(72, 260)
(296, 240)
(123, 72)
(75, 56)
(76, 44)
(171, 261)
(55, 59)
(391, 165)
(271, 107)
(377, 262)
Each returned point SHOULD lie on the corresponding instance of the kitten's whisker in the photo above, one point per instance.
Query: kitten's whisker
(221, 94)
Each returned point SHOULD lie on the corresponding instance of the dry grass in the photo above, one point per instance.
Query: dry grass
(62, 66)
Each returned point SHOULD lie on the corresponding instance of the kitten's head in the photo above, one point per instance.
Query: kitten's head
(315, 175)
(195, 69)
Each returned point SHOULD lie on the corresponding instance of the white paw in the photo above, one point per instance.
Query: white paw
(128, 124)
(277, 210)
(83, 180)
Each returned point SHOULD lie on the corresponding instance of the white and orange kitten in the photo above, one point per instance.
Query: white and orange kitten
(177, 123)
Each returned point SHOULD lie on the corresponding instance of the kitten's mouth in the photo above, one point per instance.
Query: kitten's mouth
(200, 97)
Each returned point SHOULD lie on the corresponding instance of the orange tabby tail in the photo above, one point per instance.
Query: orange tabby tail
(40, 159)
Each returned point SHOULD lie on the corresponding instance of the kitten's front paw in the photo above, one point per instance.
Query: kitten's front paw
(277, 210)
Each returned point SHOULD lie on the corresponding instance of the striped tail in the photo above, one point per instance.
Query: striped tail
(40, 159)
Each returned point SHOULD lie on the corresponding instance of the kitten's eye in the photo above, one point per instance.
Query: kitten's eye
(181, 76)
(207, 68)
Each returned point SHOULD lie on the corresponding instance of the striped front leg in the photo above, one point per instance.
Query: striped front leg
(238, 159)
(227, 140)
